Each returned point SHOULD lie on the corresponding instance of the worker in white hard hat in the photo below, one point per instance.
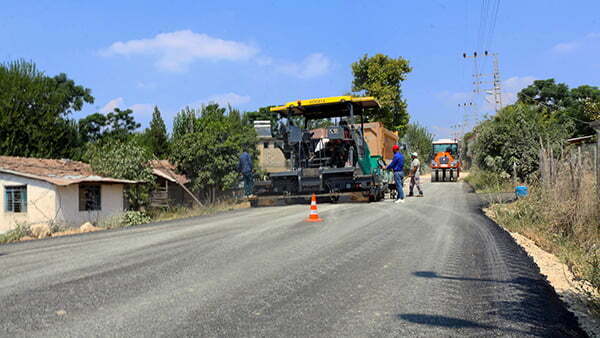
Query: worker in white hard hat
(415, 174)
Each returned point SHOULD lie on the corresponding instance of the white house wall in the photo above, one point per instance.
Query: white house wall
(41, 197)
(48, 203)
(111, 199)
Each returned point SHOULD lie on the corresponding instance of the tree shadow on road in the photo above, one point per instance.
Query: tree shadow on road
(452, 323)
(525, 300)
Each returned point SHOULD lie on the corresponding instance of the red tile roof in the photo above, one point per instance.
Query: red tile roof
(57, 172)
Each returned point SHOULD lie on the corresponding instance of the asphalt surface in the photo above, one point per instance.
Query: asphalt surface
(434, 266)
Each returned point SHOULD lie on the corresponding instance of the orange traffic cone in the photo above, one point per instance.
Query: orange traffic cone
(314, 216)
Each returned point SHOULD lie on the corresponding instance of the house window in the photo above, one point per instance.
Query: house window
(266, 145)
(89, 197)
(15, 198)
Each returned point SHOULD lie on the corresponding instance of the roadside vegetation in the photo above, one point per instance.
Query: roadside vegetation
(37, 120)
(525, 143)
(488, 181)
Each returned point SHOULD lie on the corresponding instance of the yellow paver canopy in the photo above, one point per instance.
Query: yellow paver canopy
(326, 107)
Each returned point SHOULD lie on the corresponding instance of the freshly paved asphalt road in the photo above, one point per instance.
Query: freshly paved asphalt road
(434, 266)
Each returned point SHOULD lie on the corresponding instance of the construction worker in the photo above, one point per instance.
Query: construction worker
(397, 165)
(245, 168)
(415, 174)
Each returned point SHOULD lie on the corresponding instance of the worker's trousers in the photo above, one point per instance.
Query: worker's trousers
(248, 183)
(399, 179)
(415, 181)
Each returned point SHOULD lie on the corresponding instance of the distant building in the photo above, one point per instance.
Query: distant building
(42, 191)
(270, 156)
(170, 188)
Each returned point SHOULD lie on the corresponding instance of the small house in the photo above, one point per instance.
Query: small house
(170, 189)
(47, 191)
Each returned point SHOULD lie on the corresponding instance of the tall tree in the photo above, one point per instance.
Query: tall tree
(35, 110)
(208, 154)
(381, 76)
(156, 136)
(558, 101)
(418, 139)
(116, 125)
(183, 123)
(120, 124)
(91, 127)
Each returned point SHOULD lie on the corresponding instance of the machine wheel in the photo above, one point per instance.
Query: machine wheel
(334, 199)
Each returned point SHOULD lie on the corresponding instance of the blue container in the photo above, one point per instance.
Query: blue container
(521, 191)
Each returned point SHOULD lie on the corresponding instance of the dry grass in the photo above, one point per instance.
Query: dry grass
(562, 218)
(179, 213)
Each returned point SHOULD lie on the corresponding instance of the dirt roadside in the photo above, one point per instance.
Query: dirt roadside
(572, 291)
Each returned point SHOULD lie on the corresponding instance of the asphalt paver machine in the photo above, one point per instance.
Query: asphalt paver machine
(333, 164)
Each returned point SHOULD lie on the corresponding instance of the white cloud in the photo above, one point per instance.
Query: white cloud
(588, 41)
(510, 88)
(312, 66)
(513, 85)
(232, 99)
(111, 105)
(177, 50)
(142, 108)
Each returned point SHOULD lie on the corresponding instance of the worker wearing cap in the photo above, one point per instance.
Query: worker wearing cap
(415, 174)
(397, 166)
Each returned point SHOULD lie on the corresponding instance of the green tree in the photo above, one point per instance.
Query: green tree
(418, 139)
(156, 137)
(35, 110)
(261, 114)
(559, 102)
(183, 123)
(119, 124)
(91, 127)
(209, 148)
(381, 76)
(126, 160)
(514, 135)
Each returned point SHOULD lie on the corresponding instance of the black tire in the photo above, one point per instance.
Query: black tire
(334, 199)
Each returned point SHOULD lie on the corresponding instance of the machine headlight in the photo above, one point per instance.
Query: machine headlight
(453, 163)
(434, 163)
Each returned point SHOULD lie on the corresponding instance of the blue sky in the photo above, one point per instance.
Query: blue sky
(136, 54)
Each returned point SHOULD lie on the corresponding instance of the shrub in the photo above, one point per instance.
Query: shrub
(131, 218)
(15, 234)
(125, 160)
(513, 137)
(488, 181)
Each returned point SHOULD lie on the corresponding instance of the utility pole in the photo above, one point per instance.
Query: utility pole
(497, 89)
